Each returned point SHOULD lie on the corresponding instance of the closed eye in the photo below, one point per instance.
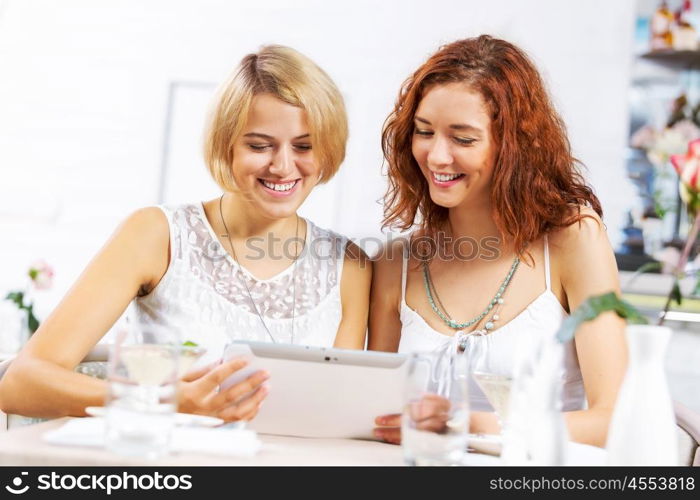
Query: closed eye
(259, 146)
(464, 141)
(302, 147)
(423, 132)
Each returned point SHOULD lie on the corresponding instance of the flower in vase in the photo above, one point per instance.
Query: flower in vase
(41, 274)
(40, 278)
(688, 168)
(664, 144)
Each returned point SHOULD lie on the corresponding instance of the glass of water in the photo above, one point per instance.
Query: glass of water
(435, 420)
(142, 374)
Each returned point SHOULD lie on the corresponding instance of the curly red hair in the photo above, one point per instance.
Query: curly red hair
(536, 183)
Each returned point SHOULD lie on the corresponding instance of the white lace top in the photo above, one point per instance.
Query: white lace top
(542, 316)
(202, 295)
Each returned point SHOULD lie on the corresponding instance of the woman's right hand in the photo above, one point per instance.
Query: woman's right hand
(430, 413)
(388, 428)
(199, 392)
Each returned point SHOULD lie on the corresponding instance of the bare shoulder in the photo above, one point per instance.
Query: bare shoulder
(589, 230)
(386, 279)
(357, 269)
(144, 236)
(148, 222)
(583, 258)
(356, 255)
(388, 261)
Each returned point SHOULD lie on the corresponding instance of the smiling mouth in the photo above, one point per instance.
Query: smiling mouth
(279, 187)
(445, 179)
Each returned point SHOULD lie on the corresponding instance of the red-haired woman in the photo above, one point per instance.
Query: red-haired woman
(479, 164)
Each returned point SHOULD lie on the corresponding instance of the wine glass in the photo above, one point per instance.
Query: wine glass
(189, 354)
(478, 347)
(142, 375)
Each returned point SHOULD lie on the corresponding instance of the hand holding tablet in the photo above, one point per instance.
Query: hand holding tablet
(320, 392)
(240, 351)
(201, 391)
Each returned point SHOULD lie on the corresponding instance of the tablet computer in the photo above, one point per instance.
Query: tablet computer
(319, 391)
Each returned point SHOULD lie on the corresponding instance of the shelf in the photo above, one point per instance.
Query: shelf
(632, 262)
(674, 59)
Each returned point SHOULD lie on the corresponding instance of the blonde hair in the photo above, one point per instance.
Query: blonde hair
(292, 78)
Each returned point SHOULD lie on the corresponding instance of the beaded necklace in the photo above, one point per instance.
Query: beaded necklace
(496, 301)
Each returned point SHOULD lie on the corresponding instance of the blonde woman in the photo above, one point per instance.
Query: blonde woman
(241, 266)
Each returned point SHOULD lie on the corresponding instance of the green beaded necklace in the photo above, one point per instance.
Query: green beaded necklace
(497, 299)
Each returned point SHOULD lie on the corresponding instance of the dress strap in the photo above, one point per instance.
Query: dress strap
(404, 270)
(547, 277)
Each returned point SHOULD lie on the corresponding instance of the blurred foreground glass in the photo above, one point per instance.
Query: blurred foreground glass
(435, 421)
(142, 373)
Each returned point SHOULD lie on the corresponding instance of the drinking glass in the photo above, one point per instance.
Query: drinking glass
(189, 354)
(142, 374)
(494, 384)
(435, 420)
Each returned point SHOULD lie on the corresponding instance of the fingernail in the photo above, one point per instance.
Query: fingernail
(379, 421)
(378, 433)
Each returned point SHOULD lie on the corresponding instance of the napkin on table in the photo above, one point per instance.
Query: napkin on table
(89, 431)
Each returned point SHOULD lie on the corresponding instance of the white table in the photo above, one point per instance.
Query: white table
(24, 446)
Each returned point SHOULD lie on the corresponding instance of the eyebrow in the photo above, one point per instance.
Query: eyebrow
(270, 138)
(455, 126)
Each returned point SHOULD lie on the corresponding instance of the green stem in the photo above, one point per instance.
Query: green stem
(681, 265)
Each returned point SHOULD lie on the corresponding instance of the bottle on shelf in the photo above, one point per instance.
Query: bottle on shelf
(661, 21)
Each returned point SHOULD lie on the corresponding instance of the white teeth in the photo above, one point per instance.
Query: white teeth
(445, 177)
(279, 187)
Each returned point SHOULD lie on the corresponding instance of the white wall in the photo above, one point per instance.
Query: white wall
(83, 90)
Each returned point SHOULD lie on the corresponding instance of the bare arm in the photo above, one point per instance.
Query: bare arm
(40, 381)
(354, 292)
(587, 267)
(384, 319)
(585, 263)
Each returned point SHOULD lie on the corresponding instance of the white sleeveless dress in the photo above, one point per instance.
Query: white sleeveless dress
(203, 298)
(542, 316)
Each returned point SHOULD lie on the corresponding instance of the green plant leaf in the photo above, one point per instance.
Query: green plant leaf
(17, 298)
(32, 321)
(649, 266)
(593, 307)
(189, 343)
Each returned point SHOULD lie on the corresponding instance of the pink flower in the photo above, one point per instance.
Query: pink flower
(41, 275)
(644, 137)
(660, 145)
(668, 257)
(688, 168)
